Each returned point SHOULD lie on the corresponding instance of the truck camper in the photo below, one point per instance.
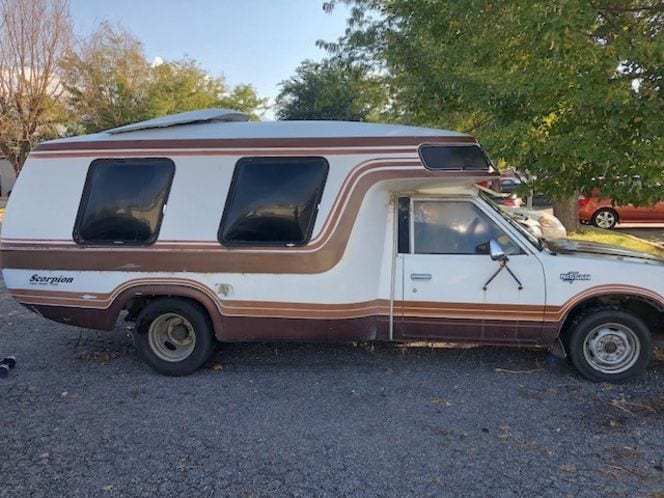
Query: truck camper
(204, 227)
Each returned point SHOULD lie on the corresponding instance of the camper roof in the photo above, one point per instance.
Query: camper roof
(227, 124)
(184, 118)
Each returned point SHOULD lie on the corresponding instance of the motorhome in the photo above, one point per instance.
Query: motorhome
(205, 227)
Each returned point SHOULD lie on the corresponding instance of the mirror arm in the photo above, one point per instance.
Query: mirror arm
(503, 265)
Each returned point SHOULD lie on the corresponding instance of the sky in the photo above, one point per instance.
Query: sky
(260, 42)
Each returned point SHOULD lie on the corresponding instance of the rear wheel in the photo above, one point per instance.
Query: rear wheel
(605, 218)
(174, 336)
(609, 345)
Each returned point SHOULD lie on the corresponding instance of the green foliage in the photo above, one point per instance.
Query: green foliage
(569, 89)
(107, 80)
(244, 98)
(110, 83)
(181, 86)
(332, 90)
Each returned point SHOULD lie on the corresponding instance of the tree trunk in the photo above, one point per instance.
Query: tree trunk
(567, 211)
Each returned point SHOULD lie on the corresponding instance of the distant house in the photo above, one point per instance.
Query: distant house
(7, 176)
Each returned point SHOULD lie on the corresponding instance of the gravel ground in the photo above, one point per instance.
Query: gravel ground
(81, 415)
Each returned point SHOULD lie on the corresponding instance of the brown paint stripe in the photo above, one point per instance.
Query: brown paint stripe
(335, 212)
(275, 143)
(315, 258)
(273, 309)
(220, 153)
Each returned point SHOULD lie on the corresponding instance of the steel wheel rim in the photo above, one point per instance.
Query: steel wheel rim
(611, 348)
(605, 219)
(172, 337)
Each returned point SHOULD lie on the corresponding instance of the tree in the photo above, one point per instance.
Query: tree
(244, 98)
(107, 80)
(571, 90)
(332, 90)
(180, 86)
(34, 37)
(110, 83)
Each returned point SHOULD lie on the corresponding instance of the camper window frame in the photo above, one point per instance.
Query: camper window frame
(85, 197)
(489, 165)
(232, 191)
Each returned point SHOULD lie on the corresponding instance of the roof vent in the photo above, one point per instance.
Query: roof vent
(184, 118)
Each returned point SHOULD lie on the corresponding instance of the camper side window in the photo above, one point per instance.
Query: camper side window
(123, 201)
(273, 201)
(454, 157)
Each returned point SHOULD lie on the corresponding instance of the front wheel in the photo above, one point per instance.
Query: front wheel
(605, 218)
(174, 336)
(609, 345)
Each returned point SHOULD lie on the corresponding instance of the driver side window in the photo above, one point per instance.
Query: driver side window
(456, 227)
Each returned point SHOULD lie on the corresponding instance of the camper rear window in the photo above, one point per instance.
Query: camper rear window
(454, 157)
(273, 201)
(123, 201)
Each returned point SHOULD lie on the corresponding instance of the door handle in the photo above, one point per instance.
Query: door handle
(420, 276)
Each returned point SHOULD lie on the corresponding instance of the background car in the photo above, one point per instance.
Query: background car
(538, 223)
(509, 182)
(603, 213)
(549, 225)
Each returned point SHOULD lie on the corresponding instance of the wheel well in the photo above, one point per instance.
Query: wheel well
(652, 314)
(137, 301)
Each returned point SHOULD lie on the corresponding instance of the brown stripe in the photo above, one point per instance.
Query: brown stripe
(223, 143)
(376, 307)
(277, 309)
(324, 255)
(220, 153)
(485, 331)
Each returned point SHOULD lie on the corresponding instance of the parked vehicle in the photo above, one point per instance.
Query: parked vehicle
(549, 225)
(509, 181)
(603, 213)
(205, 227)
(504, 199)
(541, 225)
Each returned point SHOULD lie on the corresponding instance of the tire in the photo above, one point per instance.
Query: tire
(608, 344)
(605, 218)
(174, 336)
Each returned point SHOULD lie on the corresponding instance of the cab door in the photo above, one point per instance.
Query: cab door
(449, 287)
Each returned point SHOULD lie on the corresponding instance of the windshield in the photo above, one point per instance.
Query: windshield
(511, 220)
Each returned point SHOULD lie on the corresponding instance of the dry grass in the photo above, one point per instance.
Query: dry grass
(591, 234)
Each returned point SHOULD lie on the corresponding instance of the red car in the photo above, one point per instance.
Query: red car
(603, 214)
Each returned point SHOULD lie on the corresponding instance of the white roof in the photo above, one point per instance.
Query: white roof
(192, 117)
(184, 127)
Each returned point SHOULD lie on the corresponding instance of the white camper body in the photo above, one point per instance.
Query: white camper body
(206, 224)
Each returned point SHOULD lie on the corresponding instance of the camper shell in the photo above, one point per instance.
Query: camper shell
(206, 226)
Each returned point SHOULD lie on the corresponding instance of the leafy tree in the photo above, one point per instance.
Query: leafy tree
(332, 90)
(110, 83)
(244, 98)
(107, 80)
(180, 86)
(569, 89)
(34, 37)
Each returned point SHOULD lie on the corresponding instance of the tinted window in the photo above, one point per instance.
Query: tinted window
(273, 200)
(123, 201)
(457, 157)
(451, 227)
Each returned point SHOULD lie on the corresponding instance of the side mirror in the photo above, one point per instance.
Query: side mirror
(496, 252)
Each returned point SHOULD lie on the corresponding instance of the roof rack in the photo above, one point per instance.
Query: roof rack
(184, 118)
